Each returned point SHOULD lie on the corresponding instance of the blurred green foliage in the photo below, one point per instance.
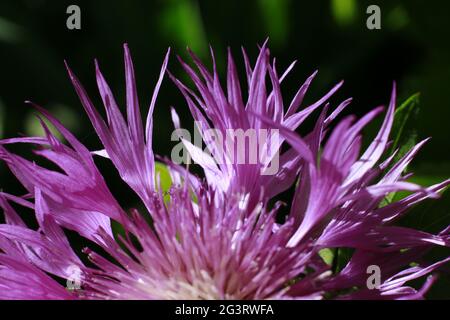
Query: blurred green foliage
(180, 20)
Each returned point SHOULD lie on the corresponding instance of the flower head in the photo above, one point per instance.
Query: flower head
(218, 238)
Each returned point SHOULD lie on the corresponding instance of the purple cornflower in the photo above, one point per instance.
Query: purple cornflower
(219, 238)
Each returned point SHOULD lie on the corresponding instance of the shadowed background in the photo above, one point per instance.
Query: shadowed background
(412, 48)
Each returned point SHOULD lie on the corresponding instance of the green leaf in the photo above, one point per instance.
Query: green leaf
(403, 115)
(164, 179)
(422, 180)
(165, 184)
(409, 144)
(404, 135)
(341, 258)
(336, 258)
(327, 255)
(431, 215)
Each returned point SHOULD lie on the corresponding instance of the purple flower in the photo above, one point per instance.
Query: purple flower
(219, 238)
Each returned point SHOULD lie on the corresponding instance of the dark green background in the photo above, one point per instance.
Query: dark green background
(412, 48)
